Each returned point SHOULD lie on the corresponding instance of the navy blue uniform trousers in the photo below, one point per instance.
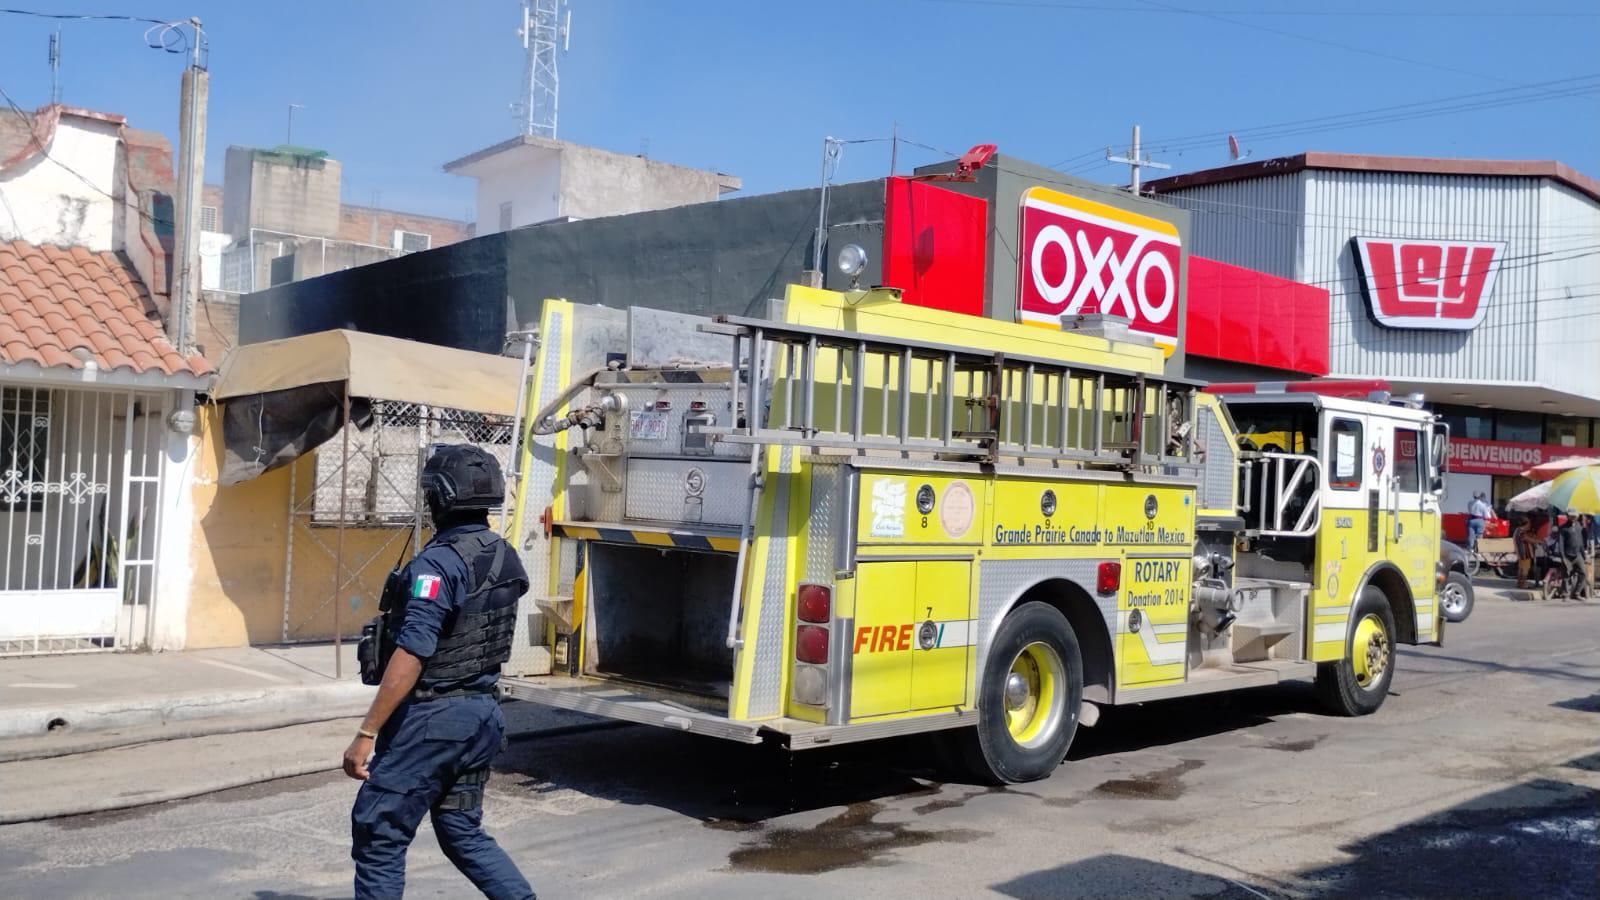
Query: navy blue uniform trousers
(420, 753)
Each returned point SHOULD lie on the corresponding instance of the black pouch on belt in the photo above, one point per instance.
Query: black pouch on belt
(377, 636)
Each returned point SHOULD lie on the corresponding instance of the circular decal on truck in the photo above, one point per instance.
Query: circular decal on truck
(955, 514)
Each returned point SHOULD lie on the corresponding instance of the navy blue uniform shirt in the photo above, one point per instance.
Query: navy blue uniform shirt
(437, 582)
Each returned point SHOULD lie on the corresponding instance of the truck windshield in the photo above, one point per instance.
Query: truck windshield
(1277, 429)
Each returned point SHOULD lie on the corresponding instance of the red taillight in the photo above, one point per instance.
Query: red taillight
(1109, 578)
(811, 644)
(814, 603)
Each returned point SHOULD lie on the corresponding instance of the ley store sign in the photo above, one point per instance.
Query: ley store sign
(1428, 285)
(1079, 256)
(1470, 456)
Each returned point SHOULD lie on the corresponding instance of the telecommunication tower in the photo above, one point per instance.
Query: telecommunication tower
(546, 32)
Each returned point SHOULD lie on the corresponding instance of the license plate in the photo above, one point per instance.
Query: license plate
(647, 425)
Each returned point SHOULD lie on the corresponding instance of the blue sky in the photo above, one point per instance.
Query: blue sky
(395, 89)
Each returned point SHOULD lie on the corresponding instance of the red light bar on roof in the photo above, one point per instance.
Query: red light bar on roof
(1352, 389)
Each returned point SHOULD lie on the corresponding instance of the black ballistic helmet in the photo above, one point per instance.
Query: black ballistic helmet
(461, 476)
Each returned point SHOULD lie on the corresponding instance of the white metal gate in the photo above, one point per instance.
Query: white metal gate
(80, 484)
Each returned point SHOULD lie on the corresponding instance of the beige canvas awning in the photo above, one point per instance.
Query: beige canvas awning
(377, 367)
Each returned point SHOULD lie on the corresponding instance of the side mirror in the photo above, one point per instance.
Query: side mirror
(1437, 458)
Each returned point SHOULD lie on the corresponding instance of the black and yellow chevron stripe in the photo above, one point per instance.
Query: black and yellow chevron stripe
(684, 540)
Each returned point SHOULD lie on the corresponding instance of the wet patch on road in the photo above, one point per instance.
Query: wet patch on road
(1163, 784)
(1299, 746)
(1158, 825)
(851, 839)
(934, 806)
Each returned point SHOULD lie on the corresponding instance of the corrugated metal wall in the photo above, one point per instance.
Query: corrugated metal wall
(1341, 205)
(1543, 318)
(1568, 301)
(1251, 223)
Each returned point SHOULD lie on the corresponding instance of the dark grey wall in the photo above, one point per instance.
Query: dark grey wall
(455, 295)
(726, 256)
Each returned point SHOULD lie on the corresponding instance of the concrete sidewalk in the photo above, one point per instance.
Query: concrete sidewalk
(77, 703)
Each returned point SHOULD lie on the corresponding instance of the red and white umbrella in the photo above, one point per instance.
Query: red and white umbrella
(1534, 498)
(1550, 469)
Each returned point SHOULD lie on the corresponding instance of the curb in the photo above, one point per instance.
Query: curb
(187, 792)
(330, 700)
(112, 804)
(57, 747)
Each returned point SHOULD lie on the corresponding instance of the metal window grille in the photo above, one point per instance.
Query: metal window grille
(412, 241)
(79, 505)
(384, 468)
(208, 218)
(24, 438)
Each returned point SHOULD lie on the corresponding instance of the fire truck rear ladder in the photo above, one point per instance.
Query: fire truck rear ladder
(975, 405)
(991, 406)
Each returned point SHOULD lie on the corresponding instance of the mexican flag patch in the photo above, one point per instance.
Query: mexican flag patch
(426, 587)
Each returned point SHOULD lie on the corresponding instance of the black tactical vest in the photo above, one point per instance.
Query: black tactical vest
(476, 636)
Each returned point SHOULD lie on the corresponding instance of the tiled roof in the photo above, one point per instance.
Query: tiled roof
(61, 306)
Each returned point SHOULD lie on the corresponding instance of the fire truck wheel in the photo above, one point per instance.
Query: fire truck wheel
(1357, 684)
(1028, 698)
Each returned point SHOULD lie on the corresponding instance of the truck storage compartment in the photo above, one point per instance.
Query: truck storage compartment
(659, 615)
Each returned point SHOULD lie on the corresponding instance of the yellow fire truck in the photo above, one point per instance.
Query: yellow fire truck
(855, 518)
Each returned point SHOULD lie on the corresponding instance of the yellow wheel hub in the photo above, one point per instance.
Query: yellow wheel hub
(1369, 651)
(1035, 692)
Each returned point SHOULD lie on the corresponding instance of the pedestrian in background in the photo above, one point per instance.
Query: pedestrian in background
(1529, 540)
(1478, 513)
(436, 723)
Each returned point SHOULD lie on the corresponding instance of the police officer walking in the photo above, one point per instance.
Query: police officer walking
(436, 724)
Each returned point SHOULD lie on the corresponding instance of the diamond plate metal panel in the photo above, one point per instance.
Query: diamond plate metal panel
(1002, 581)
(567, 570)
(767, 669)
(665, 434)
(823, 528)
(533, 492)
(1216, 483)
(663, 490)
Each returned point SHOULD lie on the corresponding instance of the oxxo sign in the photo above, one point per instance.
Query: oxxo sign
(1079, 256)
(1433, 285)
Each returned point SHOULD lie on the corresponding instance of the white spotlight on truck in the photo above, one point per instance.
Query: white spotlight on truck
(852, 260)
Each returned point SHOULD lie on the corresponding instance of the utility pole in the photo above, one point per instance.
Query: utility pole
(185, 277)
(1135, 162)
(288, 133)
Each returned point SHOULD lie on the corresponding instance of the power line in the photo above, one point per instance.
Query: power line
(1533, 92)
(163, 34)
(1298, 13)
(1363, 222)
(34, 138)
(1311, 39)
(1174, 141)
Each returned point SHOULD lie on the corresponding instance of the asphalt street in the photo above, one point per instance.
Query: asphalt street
(1479, 778)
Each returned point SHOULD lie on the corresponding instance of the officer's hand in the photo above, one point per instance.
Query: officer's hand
(355, 757)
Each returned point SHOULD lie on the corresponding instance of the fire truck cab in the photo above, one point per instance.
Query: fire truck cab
(854, 519)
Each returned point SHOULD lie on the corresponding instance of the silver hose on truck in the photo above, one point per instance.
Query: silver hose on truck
(542, 421)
